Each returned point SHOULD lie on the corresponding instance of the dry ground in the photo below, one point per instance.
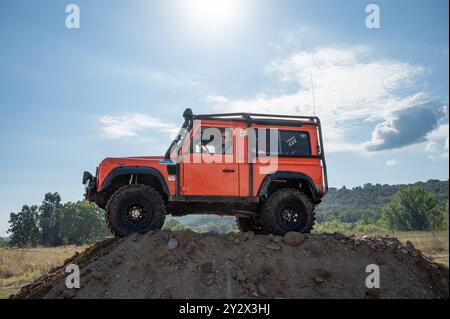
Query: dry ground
(185, 264)
(19, 267)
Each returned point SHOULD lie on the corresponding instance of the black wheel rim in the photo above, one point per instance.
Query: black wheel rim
(291, 217)
(136, 215)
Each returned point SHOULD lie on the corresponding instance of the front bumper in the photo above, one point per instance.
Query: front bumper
(91, 194)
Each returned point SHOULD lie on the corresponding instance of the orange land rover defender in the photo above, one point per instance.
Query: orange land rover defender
(268, 171)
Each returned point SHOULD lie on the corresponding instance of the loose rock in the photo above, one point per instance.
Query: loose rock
(116, 260)
(172, 244)
(273, 247)
(277, 239)
(294, 239)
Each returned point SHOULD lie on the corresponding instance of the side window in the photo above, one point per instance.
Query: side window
(213, 140)
(294, 143)
(290, 143)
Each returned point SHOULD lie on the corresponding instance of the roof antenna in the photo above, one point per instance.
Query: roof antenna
(313, 93)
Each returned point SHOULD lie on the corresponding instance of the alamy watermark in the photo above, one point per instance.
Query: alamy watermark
(373, 17)
(73, 279)
(210, 145)
(373, 279)
(73, 19)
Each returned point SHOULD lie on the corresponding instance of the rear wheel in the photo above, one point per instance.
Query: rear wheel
(286, 210)
(135, 209)
(250, 224)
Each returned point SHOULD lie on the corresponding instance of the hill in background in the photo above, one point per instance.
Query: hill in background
(348, 205)
(340, 204)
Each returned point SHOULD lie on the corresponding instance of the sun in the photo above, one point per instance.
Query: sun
(213, 13)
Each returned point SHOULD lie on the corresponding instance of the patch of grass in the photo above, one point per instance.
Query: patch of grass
(432, 244)
(21, 266)
(6, 292)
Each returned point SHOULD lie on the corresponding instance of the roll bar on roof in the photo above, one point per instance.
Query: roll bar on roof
(255, 116)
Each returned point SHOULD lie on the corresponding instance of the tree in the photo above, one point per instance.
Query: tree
(24, 227)
(49, 220)
(81, 222)
(3, 242)
(438, 218)
(445, 217)
(411, 208)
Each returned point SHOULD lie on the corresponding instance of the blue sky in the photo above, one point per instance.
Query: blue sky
(117, 85)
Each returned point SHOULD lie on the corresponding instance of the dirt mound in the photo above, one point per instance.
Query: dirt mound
(243, 265)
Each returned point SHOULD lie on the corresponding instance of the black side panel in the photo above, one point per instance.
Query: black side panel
(171, 169)
(126, 170)
(289, 175)
(214, 199)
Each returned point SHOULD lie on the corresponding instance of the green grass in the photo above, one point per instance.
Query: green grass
(21, 266)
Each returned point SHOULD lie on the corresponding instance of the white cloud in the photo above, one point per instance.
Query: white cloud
(440, 133)
(391, 163)
(216, 100)
(437, 145)
(130, 124)
(351, 86)
(407, 126)
(431, 147)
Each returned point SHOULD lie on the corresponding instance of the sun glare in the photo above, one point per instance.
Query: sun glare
(213, 13)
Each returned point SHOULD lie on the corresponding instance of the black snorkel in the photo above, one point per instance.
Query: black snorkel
(187, 125)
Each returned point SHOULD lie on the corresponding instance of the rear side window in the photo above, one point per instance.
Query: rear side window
(294, 143)
(290, 144)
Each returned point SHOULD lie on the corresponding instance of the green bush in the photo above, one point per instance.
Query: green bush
(412, 208)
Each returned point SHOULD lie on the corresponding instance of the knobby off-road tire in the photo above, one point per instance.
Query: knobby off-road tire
(251, 224)
(135, 209)
(288, 209)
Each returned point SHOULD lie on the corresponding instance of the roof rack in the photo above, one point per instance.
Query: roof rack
(261, 118)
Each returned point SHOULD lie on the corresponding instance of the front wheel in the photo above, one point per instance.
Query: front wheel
(135, 209)
(286, 210)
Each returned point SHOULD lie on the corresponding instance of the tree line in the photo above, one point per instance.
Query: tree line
(421, 206)
(366, 204)
(371, 208)
(54, 224)
(204, 224)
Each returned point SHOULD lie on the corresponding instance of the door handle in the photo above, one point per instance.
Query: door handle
(228, 170)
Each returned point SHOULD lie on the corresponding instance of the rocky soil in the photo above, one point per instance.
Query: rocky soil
(185, 264)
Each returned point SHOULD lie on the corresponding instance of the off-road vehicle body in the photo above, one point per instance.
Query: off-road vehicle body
(269, 187)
